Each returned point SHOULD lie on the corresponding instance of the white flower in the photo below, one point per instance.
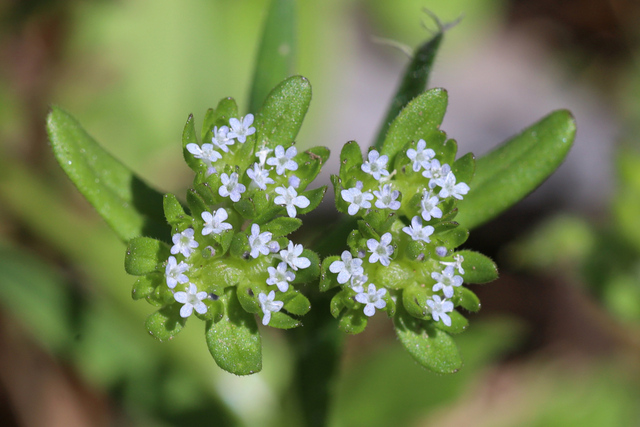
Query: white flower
(439, 309)
(346, 268)
(241, 130)
(269, 306)
(357, 198)
(380, 251)
(230, 187)
(420, 156)
(206, 153)
(373, 299)
(259, 176)
(387, 198)
(289, 197)
(221, 139)
(260, 243)
(262, 154)
(429, 205)
(184, 243)
(417, 231)
(283, 160)
(191, 299)
(376, 165)
(446, 281)
(291, 256)
(435, 171)
(280, 277)
(214, 222)
(450, 188)
(358, 282)
(456, 264)
(175, 272)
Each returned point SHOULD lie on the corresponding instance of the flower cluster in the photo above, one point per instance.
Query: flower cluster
(402, 249)
(229, 249)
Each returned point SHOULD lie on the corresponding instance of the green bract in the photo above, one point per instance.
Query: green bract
(418, 271)
(230, 258)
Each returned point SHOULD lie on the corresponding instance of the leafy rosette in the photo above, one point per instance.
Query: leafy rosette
(230, 259)
(402, 256)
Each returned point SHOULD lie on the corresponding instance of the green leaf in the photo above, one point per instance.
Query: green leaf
(464, 168)
(189, 137)
(173, 210)
(414, 82)
(454, 237)
(311, 273)
(431, 347)
(459, 323)
(127, 204)
(420, 118)
(281, 116)
(145, 255)
(207, 124)
(276, 56)
(315, 196)
(468, 300)
(282, 226)
(234, 341)
(296, 303)
(516, 168)
(353, 322)
(146, 285)
(282, 320)
(478, 268)
(350, 158)
(165, 323)
(328, 279)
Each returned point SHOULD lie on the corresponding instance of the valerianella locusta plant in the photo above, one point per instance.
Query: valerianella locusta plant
(230, 259)
(402, 256)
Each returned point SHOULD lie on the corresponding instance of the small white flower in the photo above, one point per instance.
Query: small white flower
(429, 205)
(358, 282)
(191, 299)
(206, 153)
(421, 158)
(214, 222)
(184, 243)
(372, 299)
(230, 187)
(357, 198)
(269, 306)
(417, 231)
(283, 160)
(375, 165)
(280, 277)
(291, 256)
(262, 154)
(450, 188)
(260, 243)
(289, 197)
(259, 176)
(241, 130)
(387, 199)
(175, 272)
(435, 171)
(446, 281)
(439, 309)
(221, 139)
(346, 268)
(380, 251)
(456, 264)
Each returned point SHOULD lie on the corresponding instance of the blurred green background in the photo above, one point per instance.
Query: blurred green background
(558, 340)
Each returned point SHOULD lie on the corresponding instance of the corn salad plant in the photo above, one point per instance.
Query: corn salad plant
(221, 253)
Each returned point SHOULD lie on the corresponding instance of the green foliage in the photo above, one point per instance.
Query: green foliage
(517, 167)
(127, 204)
